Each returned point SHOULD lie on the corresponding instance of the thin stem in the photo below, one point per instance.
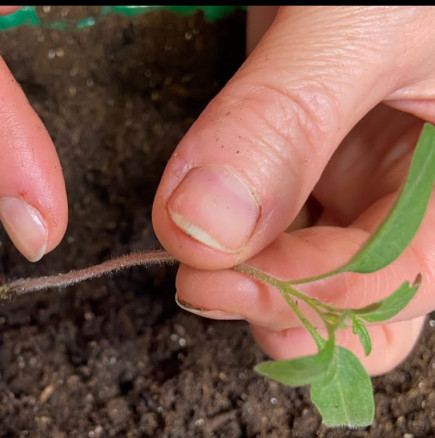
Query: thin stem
(287, 285)
(258, 275)
(320, 342)
(312, 302)
(286, 291)
(28, 285)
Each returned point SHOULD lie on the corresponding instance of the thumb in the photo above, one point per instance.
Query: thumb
(245, 168)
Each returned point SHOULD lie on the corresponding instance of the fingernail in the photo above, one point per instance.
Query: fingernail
(215, 207)
(212, 314)
(25, 227)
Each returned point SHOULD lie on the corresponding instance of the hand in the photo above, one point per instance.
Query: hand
(33, 206)
(328, 106)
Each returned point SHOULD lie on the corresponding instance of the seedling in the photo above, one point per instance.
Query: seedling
(340, 386)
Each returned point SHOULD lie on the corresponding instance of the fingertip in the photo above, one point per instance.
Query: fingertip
(211, 293)
(215, 207)
(25, 226)
(33, 203)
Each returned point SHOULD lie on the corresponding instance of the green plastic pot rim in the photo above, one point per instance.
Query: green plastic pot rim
(28, 15)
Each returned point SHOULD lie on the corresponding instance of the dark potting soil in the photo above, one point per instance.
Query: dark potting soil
(115, 356)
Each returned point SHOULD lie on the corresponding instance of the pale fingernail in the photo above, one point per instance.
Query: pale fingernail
(25, 227)
(212, 314)
(215, 207)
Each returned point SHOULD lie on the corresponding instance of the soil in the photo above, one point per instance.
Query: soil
(115, 356)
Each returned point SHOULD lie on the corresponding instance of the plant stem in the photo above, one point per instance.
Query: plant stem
(258, 275)
(28, 285)
(314, 303)
(320, 342)
(288, 293)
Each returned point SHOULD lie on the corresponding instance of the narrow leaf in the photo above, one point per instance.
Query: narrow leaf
(390, 306)
(359, 329)
(347, 398)
(300, 371)
(397, 230)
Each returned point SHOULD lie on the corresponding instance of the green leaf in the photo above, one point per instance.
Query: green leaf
(390, 306)
(347, 398)
(300, 371)
(397, 230)
(359, 328)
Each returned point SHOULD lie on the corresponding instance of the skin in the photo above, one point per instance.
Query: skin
(328, 106)
(30, 169)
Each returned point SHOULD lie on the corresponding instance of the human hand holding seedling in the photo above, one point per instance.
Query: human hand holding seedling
(340, 386)
(319, 77)
(248, 165)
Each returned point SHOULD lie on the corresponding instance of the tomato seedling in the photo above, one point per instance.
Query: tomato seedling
(340, 386)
